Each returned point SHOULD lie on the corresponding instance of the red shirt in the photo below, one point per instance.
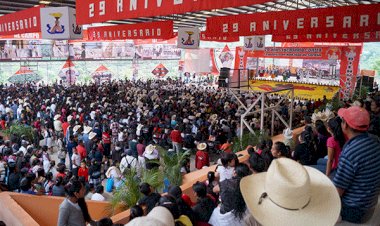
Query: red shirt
(61, 175)
(106, 138)
(175, 136)
(201, 159)
(64, 128)
(2, 124)
(82, 151)
(83, 173)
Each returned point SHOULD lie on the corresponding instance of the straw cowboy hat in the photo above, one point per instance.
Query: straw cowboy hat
(87, 129)
(202, 146)
(291, 194)
(158, 216)
(76, 128)
(191, 117)
(69, 118)
(56, 117)
(150, 152)
(92, 135)
(288, 133)
(213, 117)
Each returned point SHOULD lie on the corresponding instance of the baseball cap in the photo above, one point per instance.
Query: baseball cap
(356, 117)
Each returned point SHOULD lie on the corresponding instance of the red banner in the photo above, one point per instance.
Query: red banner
(204, 37)
(21, 22)
(92, 11)
(340, 20)
(297, 53)
(154, 30)
(354, 37)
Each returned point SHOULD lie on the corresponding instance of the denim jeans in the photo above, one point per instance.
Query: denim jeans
(177, 147)
(322, 165)
(356, 215)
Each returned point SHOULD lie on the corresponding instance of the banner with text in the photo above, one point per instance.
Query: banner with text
(154, 30)
(349, 69)
(93, 11)
(354, 37)
(21, 22)
(340, 20)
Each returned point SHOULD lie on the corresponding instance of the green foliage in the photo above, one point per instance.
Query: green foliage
(20, 130)
(247, 139)
(128, 193)
(359, 94)
(171, 164)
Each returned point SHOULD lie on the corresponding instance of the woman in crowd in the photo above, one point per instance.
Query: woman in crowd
(73, 210)
(280, 150)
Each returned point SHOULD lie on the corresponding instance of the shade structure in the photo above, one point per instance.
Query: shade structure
(24, 75)
(68, 73)
(101, 75)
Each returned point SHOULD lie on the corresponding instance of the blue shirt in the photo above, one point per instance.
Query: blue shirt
(358, 172)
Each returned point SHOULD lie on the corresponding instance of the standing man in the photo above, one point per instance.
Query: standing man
(176, 138)
(358, 178)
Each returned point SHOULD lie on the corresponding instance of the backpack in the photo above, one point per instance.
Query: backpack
(129, 163)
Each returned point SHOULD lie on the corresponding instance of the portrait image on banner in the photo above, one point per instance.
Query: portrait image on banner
(188, 37)
(254, 43)
(249, 43)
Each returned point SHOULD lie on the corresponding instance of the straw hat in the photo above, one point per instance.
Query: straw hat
(87, 129)
(186, 121)
(69, 118)
(150, 152)
(75, 129)
(298, 195)
(92, 135)
(202, 146)
(198, 115)
(56, 117)
(158, 216)
(213, 117)
(288, 133)
(156, 106)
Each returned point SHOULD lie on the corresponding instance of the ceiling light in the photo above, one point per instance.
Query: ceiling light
(45, 2)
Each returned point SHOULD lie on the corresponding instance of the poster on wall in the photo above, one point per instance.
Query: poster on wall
(158, 51)
(20, 49)
(188, 37)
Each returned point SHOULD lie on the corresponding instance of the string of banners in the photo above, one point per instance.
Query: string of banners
(338, 20)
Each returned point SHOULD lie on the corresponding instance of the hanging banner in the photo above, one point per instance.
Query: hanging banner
(204, 37)
(93, 11)
(340, 20)
(21, 22)
(188, 37)
(349, 66)
(59, 23)
(296, 53)
(154, 30)
(354, 37)
(254, 43)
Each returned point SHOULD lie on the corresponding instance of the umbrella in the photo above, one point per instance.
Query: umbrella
(24, 75)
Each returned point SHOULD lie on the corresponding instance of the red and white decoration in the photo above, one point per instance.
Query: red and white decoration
(160, 71)
(21, 22)
(68, 73)
(102, 75)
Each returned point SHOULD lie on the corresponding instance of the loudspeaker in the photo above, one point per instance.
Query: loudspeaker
(224, 74)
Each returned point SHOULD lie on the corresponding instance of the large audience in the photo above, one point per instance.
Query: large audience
(100, 131)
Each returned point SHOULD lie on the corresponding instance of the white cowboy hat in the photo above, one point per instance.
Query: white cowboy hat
(87, 129)
(291, 194)
(288, 133)
(76, 128)
(198, 115)
(201, 146)
(156, 106)
(91, 135)
(69, 118)
(191, 117)
(158, 216)
(213, 117)
(150, 152)
(56, 117)
(186, 121)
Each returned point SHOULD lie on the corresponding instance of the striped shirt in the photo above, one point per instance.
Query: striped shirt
(358, 172)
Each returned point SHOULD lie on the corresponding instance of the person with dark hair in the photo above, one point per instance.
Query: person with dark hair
(184, 208)
(257, 163)
(211, 183)
(135, 211)
(374, 124)
(49, 183)
(303, 151)
(226, 170)
(73, 210)
(58, 188)
(97, 196)
(279, 150)
(105, 222)
(150, 197)
(232, 210)
(321, 139)
(204, 206)
(357, 178)
(169, 202)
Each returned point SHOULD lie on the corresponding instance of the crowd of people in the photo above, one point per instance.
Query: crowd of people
(99, 131)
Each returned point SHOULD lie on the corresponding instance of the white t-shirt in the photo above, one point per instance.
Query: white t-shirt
(75, 158)
(97, 197)
(225, 173)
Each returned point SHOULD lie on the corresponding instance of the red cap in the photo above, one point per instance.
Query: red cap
(356, 117)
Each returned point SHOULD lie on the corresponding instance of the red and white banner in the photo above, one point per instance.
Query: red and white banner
(92, 11)
(204, 37)
(340, 20)
(154, 30)
(354, 37)
(349, 66)
(21, 22)
(322, 53)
